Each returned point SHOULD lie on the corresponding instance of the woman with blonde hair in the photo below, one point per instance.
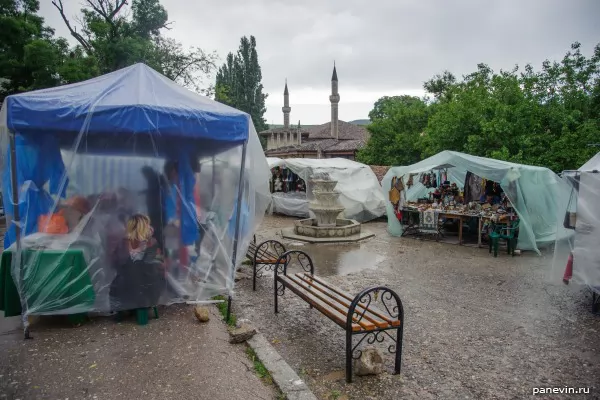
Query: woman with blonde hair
(140, 281)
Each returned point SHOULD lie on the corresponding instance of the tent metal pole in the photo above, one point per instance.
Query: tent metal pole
(15, 188)
(237, 224)
(17, 222)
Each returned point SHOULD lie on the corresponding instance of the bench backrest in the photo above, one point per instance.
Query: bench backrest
(294, 258)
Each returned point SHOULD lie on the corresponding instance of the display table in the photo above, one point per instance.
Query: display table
(54, 282)
(411, 222)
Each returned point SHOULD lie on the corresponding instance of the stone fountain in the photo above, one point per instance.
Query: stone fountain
(326, 226)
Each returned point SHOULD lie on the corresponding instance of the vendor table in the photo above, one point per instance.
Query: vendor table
(55, 282)
(412, 227)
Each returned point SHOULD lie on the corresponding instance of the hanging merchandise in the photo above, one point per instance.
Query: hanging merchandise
(410, 181)
(394, 193)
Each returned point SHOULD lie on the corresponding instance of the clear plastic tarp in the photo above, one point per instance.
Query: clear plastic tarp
(577, 252)
(129, 195)
(360, 190)
(536, 193)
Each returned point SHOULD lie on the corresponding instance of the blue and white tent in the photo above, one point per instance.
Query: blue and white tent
(95, 136)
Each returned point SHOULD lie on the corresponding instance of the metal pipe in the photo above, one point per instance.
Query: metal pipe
(237, 222)
(15, 188)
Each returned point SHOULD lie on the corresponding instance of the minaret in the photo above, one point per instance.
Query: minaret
(334, 99)
(286, 108)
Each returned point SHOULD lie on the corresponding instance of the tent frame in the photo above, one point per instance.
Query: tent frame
(16, 221)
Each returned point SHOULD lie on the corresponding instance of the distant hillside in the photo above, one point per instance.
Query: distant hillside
(361, 122)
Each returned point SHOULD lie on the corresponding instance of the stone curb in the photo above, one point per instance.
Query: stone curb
(283, 375)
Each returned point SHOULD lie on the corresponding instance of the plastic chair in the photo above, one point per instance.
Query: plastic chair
(141, 315)
(507, 233)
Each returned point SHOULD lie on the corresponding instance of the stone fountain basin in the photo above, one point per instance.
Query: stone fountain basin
(321, 185)
(343, 228)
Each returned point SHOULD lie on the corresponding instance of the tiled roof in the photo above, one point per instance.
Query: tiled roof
(325, 145)
(346, 145)
(379, 171)
(351, 137)
(346, 131)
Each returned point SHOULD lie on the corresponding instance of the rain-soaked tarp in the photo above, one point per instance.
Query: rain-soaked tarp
(128, 188)
(581, 216)
(360, 191)
(535, 192)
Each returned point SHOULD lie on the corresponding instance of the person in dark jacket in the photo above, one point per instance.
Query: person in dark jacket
(140, 281)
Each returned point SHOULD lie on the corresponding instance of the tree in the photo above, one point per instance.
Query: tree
(239, 83)
(30, 57)
(116, 39)
(546, 118)
(396, 126)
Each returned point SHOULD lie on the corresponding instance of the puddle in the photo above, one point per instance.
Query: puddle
(344, 259)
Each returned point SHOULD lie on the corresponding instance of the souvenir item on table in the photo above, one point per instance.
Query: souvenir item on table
(53, 223)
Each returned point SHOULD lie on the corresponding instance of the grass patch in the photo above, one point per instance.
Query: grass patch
(246, 262)
(223, 310)
(261, 371)
(259, 368)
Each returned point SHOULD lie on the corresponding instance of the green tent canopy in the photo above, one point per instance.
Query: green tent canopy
(535, 192)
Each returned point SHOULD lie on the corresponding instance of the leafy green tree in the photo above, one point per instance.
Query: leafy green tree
(239, 83)
(29, 54)
(397, 124)
(547, 117)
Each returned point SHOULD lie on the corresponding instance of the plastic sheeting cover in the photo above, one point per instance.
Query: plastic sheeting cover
(82, 247)
(361, 192)
(581, 213)
(294, 204)
(535, 192)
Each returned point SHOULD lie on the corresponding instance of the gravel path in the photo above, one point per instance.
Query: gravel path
(174, 357)
(477, 327)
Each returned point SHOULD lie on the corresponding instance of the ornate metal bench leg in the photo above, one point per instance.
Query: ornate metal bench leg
(398, 361)
(275, 293)
(348, 356)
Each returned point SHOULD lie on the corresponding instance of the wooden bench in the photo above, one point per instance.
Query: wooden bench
(357, 315)
(263, 257)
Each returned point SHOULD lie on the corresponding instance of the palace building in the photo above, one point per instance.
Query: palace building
(335, 138)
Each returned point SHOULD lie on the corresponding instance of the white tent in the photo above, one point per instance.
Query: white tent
(582, 215)
(361, 192)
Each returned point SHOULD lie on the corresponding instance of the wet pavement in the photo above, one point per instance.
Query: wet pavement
(174, 357)
(476, 326)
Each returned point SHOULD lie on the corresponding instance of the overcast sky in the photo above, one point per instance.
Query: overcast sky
(381, 47)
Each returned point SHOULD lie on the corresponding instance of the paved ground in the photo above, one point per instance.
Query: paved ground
(477, 327)
(174, 357)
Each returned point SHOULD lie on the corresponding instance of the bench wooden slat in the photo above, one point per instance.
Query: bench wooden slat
(342, 310)
(308, 297)
(345, 304)
(378, 314)
(263, 256)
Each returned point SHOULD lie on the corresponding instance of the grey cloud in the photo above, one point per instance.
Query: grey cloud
(380, 44)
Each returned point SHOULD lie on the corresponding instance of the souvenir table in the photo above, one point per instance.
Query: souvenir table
(413, 210)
